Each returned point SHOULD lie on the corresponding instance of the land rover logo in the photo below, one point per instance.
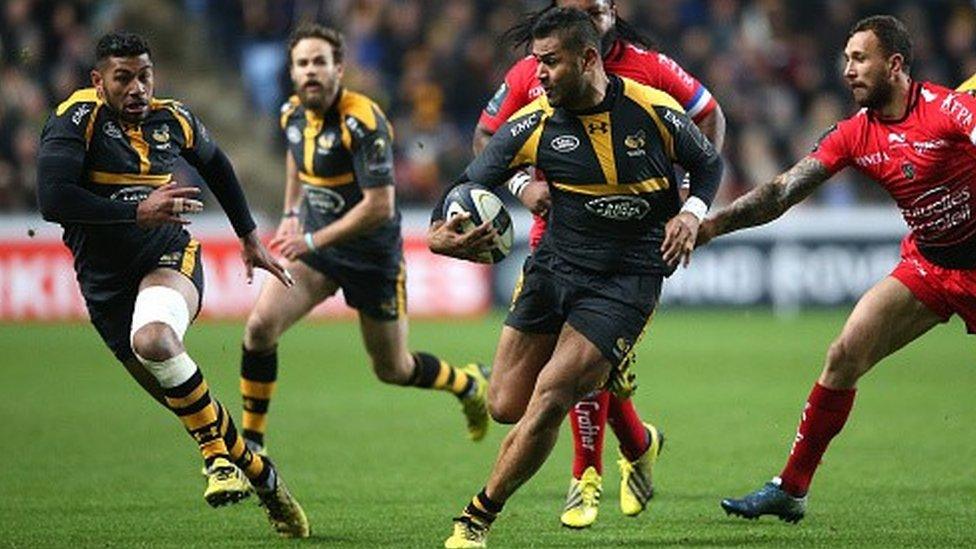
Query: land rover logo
(565, 143)
(619, 208)
(132, 194)
(324, 200)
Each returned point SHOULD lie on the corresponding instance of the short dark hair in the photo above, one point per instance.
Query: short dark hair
(315, 30)
(520, 34)
(121, 44)
(574, 27)
(891, 32)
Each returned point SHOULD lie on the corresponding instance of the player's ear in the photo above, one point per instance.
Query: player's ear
(590, 58)
(896, 63)
(98, 82)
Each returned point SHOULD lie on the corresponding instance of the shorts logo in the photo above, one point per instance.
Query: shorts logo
(325, 200)
(619, 208)
(622, 348)
(294, 135)
(112, 130)
(565, 143)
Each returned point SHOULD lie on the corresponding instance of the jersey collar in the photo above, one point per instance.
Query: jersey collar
(914, 90)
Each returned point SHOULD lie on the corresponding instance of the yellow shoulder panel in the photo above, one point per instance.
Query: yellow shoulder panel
(293, 103)
(84, 95)
(358, 106)
(968, 85)
(648, 97)
(540, 103)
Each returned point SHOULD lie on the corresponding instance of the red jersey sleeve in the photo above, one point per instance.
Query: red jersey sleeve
(667, 75)
(512, 95)
(958, 113)
(832, 149)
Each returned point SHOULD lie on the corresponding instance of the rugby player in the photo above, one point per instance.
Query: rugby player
(918, 141)
(626, 52)
(341, 229)
(105, 174)
(607, 146)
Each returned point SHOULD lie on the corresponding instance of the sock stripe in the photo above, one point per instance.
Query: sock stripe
(259, 390)
(184, 389)
(444, 374)
(256, 405)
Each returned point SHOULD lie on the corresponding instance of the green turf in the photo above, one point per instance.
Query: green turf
(91, 461)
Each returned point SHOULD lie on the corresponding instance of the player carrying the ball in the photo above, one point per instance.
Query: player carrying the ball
(105, 173)
(918, 141)
(626, 52)
(607, 146)
(341, 229)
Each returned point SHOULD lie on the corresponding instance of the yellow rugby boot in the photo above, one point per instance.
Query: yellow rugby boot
(583, 500)
(636, 481)
(225, 483)
(284, 513)
(475, 405)
(468, 533)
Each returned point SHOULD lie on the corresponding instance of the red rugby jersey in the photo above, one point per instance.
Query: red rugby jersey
(647, 67)
(926, 161)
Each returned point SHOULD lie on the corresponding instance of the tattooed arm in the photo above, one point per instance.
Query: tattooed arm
(766, 202)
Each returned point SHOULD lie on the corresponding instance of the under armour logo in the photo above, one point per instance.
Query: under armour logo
(601, 127)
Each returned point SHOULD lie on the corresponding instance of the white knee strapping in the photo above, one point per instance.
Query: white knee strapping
(160, 304)
(172, 372)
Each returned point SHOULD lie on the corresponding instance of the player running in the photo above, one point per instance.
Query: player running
(607, 146)
(105, 174)
(917, 140)
(626, 53)
(341, 229)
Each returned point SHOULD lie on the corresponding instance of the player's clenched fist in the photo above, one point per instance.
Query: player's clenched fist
(167, 204)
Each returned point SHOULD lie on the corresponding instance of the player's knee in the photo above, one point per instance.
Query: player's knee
(504, 410)
(846, 362)
(260, 332)
(156, 342)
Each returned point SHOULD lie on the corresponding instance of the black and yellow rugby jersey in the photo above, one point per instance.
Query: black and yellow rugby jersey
(610, 171)
(116, 165)
(341, 152)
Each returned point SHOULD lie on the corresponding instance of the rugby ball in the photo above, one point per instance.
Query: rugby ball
(483, 205)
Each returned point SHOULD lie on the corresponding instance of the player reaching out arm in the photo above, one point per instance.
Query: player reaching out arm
(918, 141)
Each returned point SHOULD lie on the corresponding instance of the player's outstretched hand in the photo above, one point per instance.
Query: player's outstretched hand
(445, 238)
(706, 232)
(167, 204)
(535, 197)
(679, 239)
(255, 255)
(290, 246)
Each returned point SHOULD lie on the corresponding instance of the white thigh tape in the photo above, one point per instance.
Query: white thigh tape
(160, 304)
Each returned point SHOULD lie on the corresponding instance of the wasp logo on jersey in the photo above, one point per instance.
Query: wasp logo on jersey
(619, 208)
(636, 143)
(161, 136)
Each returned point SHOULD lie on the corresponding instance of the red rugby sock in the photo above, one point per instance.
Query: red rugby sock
(823, 417)
(588, 420)
(628, 427)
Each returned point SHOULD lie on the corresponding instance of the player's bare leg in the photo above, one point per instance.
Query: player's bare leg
(393, 363)
(519, 359)
(575, 369)
(886, 318)
(276, 310)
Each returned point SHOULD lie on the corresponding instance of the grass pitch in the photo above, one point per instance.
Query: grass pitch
(92, 461)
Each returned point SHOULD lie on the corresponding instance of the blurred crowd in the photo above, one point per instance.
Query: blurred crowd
(773, 65)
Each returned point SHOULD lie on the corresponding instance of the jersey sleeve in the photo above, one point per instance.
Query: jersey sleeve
(197, 140)
(512, 95)
(693, 152)
(61, 168)
(513, 146)
(668, 76)
(832, 148)
(371, 146)
(958, 111)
